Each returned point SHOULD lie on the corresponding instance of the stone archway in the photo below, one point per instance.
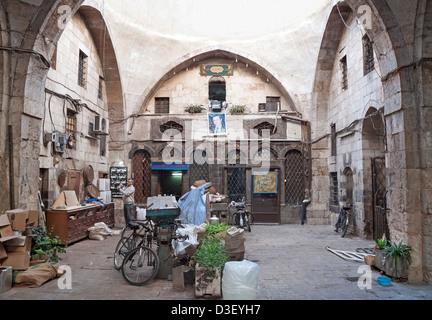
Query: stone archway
(194, 59)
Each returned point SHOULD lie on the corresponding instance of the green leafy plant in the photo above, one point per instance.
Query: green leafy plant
(212, 229)
(45, 245)
(381, 243)
(192, 108)
(211, 253)
(237, 109)
(398, 251)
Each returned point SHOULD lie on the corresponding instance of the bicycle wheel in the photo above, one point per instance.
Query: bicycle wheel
(344, 224)
(140, 266)
(246, 221)
(123, 247)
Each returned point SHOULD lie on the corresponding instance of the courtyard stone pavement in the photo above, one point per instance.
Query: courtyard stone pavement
(293, 260)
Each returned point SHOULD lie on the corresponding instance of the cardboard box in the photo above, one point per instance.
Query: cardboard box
(18, 219)
(5, 227)
(33, 218)
(17, 260)
(3, 253)
(20, 244)
(66, 199)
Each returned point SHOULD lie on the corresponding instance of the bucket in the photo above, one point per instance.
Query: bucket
(384, 281)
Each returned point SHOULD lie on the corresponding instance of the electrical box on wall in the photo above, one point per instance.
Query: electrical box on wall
(61, 142)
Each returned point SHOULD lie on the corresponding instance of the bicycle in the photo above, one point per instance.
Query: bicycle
(343, 220)
(141, 264)
(241, 218)
(141, 231)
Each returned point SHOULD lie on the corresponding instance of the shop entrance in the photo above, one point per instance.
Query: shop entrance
(170, 183)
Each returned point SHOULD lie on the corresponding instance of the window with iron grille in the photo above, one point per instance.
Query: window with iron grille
(334, 201)
(100, 89)
(368, 55)
(294, 178)
(333, 140)
(236, 176)
(344, 73)
(199, 169)
(82, 69)
(141, 173)
(161, 105)
(71, 126)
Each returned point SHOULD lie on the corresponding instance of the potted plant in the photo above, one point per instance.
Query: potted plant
(193, 108)
(398, 257)
(210, 258)
(45, 247)
(392, 258)
(237, 109)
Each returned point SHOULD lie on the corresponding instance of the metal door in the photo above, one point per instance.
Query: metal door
(379, 196)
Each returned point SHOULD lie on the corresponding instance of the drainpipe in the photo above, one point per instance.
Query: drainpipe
(304, 206)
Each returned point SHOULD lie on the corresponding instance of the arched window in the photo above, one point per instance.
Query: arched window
(265, 126)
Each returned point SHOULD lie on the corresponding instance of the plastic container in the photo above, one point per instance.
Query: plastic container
(240, 280)
(384, 281)
(5, 279)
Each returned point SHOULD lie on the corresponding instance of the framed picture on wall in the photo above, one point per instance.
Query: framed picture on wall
(216, 123)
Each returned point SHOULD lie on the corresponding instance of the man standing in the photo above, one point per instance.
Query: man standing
(128, 200)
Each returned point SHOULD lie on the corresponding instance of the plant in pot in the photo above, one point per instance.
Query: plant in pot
(45, 247)
(237, 109)
(194, 108)
(210, 258)
(398, 257)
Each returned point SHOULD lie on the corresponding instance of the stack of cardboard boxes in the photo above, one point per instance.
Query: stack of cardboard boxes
(16, 237)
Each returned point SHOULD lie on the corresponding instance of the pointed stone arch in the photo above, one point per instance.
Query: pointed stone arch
(193, 59)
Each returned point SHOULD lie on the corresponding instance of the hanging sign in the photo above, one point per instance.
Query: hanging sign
(169, 166)
(216, 69)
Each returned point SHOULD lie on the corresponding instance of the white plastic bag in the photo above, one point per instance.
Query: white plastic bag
(141, 213)
(240, 280)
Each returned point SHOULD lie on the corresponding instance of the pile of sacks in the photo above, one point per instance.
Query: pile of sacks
(235, 244)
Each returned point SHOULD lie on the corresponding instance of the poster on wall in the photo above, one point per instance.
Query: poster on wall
(118, 175)
(265, 182)
(216, 123)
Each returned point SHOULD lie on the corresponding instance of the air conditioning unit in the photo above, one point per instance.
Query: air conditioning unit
(61, 142)
(100, 125)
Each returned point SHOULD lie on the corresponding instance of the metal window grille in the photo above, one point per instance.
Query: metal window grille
(334, 189)
(141, 173)
(71, 123)
(82, 69)
(100, 89)
(236, 177)
(199, 171)
(344, 73)
(294, 178)
(333, 139)
(369, 63)
(161, 105)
